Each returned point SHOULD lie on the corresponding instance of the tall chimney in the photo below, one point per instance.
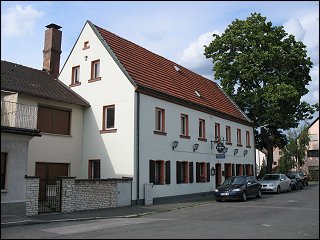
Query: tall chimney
(52, 49)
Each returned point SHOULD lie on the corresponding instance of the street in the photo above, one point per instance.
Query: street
(293, 215)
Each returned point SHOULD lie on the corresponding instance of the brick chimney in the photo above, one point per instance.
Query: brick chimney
(52, 49)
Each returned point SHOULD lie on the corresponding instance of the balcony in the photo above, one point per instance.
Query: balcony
(17, 115)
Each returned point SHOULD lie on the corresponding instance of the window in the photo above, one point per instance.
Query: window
(184, 126)
(280, 153)
(239, 137)
(159, 172)
(313, 153)
(53, 120)
(75, 76)
(3, 169)
(95, 71)
(183, 172)
(108, 122)
(202, 172)
(190, 172)
(94, 169)
(86, 45)
(228, 135)
(202, 130)
(217, 132)
(159, 121)
(247, 139)
(274, 163)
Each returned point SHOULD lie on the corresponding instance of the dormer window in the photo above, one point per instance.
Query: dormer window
(86, 45)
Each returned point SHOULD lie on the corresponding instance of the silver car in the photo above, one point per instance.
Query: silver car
(275, 183)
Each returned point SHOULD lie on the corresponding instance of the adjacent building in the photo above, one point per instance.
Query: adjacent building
(41, 124)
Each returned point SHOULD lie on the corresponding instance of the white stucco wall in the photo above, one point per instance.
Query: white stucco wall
(158, 147)
(115, 150)
(57, 148)
(16, 147)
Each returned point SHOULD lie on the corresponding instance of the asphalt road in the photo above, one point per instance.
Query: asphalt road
(293, 215)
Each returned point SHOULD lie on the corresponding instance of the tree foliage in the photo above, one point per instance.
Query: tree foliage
(295, 151)
(266, 71)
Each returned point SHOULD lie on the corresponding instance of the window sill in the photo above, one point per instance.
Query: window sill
(202, 139)
(239, 145)
(185, 136)
(94, 80)
(229, 144)
(56, 134)
(84, 48)
(248, 146)
(75, 84)
(160, 133)
(108, 131)
(4, 190)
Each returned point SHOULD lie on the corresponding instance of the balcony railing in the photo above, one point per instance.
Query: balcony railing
(18, 115)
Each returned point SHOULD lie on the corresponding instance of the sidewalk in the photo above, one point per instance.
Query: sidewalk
(124, 212)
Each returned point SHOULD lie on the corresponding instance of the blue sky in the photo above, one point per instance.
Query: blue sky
(174, 30)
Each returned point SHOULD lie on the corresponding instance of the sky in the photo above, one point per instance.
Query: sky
(175, 30)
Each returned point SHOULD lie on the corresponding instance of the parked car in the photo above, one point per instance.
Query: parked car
(275, 182)
(296, 180)
(238, 187)
(304, 178)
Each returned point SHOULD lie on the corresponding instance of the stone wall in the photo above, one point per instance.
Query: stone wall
(32, 195)
(95, 194)
(78, 194)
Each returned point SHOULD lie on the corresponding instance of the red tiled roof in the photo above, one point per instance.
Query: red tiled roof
(151, 71)
(34, 82)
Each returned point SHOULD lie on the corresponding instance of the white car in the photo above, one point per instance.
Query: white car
(276, 182)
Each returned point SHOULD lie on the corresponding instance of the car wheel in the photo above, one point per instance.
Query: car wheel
(244, 196)
(218, 200)
(259, 193)
(301, 186)
(278, 189)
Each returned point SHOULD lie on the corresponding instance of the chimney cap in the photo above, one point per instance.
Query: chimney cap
(52, 25)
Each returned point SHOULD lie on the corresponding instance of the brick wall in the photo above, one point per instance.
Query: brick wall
(32, 195)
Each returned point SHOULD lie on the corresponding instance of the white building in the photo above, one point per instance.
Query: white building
(154, 120)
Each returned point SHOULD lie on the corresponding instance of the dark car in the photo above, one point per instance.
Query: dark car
(238, 187)
(304, 178)
(296, 180)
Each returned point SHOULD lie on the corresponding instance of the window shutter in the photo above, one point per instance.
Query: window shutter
(197, 172)
(151, 171)
(190, 172)
(167, 172)
(208, 172)
(178, 172)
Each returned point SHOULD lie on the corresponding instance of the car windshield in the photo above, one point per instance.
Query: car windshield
(271, 177)
(234, 181)
(291, 176)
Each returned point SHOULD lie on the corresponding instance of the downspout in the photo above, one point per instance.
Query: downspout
(138, 150)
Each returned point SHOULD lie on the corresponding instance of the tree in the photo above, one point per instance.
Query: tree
(263, 169)
(295, 151)
(265, 71)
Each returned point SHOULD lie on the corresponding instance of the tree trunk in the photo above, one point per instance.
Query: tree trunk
(269, 145)
(269, 157)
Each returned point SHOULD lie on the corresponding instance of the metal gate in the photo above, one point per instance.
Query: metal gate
(49, 195)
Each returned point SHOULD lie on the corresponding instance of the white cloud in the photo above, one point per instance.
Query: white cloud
(19, 20)
(193, 56)
(312, 96)
(293, 26)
